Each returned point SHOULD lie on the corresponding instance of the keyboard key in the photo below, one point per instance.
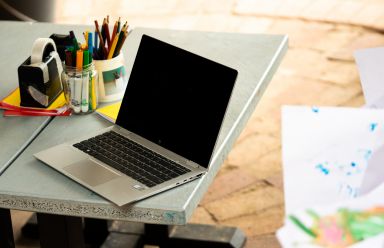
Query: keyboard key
(132, 159)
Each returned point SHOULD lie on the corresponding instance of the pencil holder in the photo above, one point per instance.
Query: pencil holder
(81, 88)
(112, 78)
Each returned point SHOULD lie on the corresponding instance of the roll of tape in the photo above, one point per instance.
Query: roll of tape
(42, 47)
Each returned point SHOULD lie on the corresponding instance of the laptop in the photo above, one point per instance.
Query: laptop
(165, 132)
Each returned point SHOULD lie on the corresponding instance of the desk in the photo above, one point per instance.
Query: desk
(30, 185)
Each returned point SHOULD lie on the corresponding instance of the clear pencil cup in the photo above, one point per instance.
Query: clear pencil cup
(81, 88)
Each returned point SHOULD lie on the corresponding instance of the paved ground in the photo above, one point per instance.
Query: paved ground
(318, 70)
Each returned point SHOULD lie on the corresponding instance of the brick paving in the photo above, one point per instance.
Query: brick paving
(318, 69)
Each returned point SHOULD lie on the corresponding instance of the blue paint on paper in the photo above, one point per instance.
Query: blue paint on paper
(346, 189)
(315, 109)
(353, 164)
(367, 154)
(373, 126)
(324, 170)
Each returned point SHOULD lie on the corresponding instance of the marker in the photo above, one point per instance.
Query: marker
(86, 37)
(71, 75)
(92, 90)
(78, 82)
(90, 46)
(298, 223)
(68, 57)
(74, 41)
(85, 84)
(79, 59)
(85, 58)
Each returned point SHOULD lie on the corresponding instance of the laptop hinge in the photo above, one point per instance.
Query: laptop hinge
(192, 164)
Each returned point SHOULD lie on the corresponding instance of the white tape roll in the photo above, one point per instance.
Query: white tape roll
(42, 47)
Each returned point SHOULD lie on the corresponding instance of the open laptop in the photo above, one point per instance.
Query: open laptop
(165, 131)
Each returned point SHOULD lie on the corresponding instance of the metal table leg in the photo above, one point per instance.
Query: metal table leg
(60, 231)
(95, 230)
(188, 236)
(196, 235)
(6, 232)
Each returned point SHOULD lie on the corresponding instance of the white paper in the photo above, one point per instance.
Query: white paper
(326, 152)
(374, 174)
(370, 63)
(290, 235)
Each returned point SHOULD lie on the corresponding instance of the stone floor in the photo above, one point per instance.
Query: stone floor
(318, 69)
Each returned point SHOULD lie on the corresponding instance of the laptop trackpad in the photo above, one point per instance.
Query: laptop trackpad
(90, 172)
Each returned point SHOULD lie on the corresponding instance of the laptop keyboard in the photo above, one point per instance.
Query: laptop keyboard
(132, 159)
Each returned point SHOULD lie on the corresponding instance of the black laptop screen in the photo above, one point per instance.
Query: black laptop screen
(176, 99)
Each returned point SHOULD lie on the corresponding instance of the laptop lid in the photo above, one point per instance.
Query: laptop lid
(176, 99)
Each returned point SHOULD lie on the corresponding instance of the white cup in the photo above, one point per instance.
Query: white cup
(113, 78)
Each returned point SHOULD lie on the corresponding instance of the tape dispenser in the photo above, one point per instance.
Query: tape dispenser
(40, 75)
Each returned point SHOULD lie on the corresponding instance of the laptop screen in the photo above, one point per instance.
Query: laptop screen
(176, 99)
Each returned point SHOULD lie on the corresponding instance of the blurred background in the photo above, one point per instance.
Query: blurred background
(318, 69)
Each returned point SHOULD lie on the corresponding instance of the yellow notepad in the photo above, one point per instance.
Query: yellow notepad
(110, 112)
(13, 99)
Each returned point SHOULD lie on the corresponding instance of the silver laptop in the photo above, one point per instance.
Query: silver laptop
(165, 132)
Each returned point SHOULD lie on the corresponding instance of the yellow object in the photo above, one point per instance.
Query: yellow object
(110, 112)
(93, 93)
(14, 100)
(86, 38)
(84, 47)
(79, 59)
(113, 47)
